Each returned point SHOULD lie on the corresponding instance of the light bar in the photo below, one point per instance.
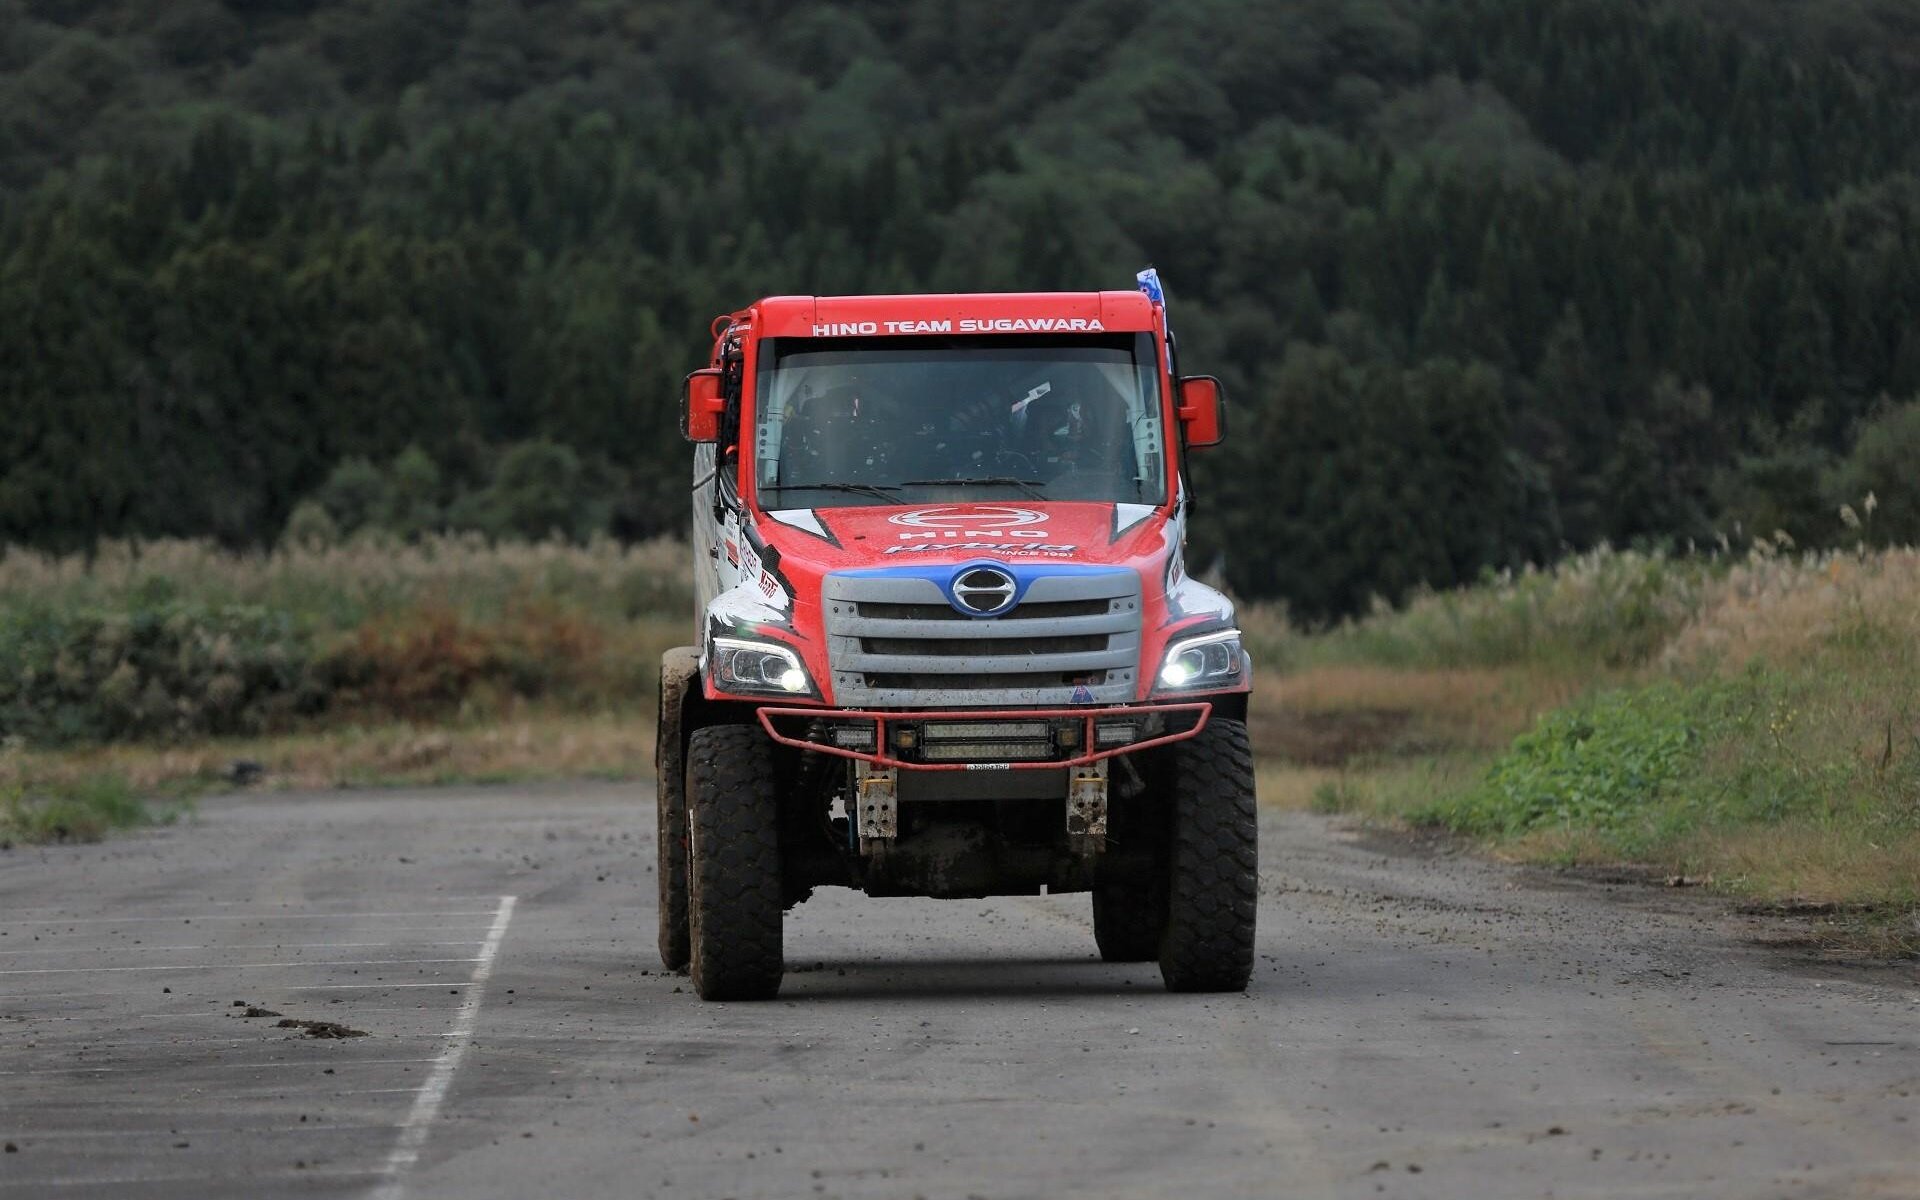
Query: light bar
(965, 731)
(996, 751)
(854, 737)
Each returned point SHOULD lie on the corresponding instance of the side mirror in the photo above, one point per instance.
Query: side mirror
(702, 405)
(1202, 410)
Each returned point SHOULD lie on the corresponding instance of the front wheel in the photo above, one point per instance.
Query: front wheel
(1213, 876)
(734, 898)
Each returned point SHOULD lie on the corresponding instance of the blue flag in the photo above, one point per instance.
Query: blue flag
(1149, 281)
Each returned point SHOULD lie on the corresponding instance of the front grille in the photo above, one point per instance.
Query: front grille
(1059, 645)
(896, 680)
(946, 612)
(894, 640)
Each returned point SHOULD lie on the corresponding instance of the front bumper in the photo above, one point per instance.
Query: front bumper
(1024, 739)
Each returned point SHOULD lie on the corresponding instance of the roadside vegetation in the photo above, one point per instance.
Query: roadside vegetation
(368, 660)
(1747, 723)
(177, 640)
(1740, 719)
(81, 808)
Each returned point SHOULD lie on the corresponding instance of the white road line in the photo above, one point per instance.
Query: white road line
(6, 953)
(318, 962)
(293, 916)
(433, 1092)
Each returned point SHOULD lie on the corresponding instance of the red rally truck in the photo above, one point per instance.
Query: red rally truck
(947, 643)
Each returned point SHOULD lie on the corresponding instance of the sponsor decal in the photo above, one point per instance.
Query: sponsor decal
(963, 527)
(963, 325)
(989, 766)
(970, 521)
(1033, 325)
(754, 570)
(1041, 549)
(955, 516)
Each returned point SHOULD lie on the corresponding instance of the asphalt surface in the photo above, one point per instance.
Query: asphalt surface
(1418, 1025)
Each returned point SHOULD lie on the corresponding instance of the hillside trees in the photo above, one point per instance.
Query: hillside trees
(1486, 279)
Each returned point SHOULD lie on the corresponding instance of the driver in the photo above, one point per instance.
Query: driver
(830, 439)
(1073, 428)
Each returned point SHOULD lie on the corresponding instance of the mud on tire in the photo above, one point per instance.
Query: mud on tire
(734, 864)
(671, 848)
(1213, 874)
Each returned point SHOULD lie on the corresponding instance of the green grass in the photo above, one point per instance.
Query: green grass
(1616, 763)
(1750, 724)
(82, 810)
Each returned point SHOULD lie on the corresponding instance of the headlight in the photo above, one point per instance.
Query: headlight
(1211, 660)
(767, 668)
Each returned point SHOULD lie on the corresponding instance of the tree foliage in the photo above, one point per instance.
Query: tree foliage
(1486, 279)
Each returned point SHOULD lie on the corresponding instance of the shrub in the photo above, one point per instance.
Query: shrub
(1606, 608)
(80, 811)
(310, 527)
(536, 493)
(430, 661)
(354, 495)
(1882, 465)
(161, 668)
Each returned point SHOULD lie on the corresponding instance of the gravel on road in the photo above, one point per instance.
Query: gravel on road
(454, 992)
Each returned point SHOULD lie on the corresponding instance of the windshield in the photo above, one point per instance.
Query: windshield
(907, 420)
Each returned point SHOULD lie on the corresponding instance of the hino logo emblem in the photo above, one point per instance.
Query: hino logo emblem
(988, 516)
(983, 591)
(987, 520)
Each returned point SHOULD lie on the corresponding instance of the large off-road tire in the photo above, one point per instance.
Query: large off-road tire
(1213, 880)
(679, 672)
(734, 859)
(671, 846)
(1128, 920)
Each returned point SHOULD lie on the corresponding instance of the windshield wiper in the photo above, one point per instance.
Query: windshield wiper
(1030, 486)
(880, 491)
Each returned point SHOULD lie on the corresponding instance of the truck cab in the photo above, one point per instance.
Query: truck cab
(946, 644)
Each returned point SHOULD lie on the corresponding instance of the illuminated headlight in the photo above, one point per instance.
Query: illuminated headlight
(1211, 660)
(763, 667)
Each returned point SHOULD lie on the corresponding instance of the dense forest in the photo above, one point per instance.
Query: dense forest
(1487, 279)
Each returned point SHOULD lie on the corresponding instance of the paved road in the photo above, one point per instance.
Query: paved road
(1418, 1026)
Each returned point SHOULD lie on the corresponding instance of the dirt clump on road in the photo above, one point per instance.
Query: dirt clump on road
(321, 1029)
